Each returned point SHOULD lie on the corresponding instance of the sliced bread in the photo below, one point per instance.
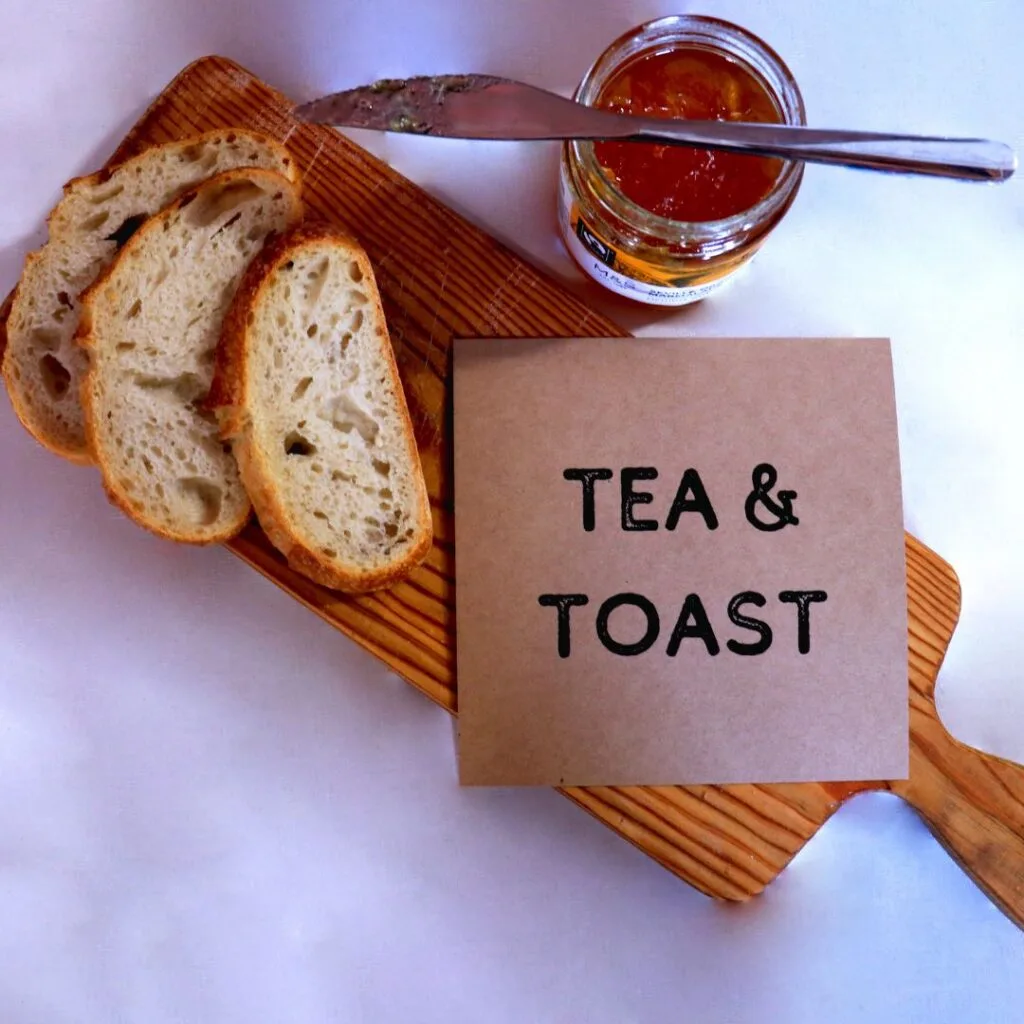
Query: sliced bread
(307, 389)
(150, 326)
(42, 368)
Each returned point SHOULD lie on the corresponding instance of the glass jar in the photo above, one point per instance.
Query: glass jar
(640, 254)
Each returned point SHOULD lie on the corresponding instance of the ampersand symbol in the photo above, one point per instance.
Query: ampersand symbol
(763, 479)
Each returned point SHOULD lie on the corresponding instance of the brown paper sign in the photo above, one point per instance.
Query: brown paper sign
(678, 561)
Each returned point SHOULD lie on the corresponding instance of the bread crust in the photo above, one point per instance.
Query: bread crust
(48, 440)
(85, 336)
(229, 398)
(28, 419)
(5, 311)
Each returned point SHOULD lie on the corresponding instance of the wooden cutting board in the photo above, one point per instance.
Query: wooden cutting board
(441, 277)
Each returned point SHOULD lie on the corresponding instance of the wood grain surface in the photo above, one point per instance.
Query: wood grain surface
(441, 277)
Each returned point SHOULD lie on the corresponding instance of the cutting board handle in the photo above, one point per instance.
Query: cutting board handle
(974, 805)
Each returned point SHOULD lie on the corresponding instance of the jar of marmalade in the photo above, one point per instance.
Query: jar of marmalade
(667, 224)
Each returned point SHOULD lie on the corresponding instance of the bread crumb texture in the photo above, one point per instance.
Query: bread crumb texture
(43, 367)
(153, 325)
(330, 441)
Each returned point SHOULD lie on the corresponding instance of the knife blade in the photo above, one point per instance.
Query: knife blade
(476, 106)
(461, 107)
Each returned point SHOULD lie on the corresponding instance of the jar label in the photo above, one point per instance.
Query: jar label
(627, 277)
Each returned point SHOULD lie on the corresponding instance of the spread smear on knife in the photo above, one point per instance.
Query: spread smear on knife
(413, 105)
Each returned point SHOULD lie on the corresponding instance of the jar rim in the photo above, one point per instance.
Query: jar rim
(724, 37)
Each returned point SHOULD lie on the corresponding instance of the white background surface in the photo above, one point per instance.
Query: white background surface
(215, 808)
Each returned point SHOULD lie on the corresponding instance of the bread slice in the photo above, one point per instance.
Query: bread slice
(307, 389)
(150, 325)
(42, 368)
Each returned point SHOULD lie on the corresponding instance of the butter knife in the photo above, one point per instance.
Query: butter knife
(487, 107)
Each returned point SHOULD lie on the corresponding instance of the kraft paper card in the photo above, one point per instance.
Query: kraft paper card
(678, 561)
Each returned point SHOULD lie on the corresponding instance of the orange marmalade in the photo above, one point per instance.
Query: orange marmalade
(679, 182)
(664, 224)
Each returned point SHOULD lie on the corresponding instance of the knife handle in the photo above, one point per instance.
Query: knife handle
(965, 159)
